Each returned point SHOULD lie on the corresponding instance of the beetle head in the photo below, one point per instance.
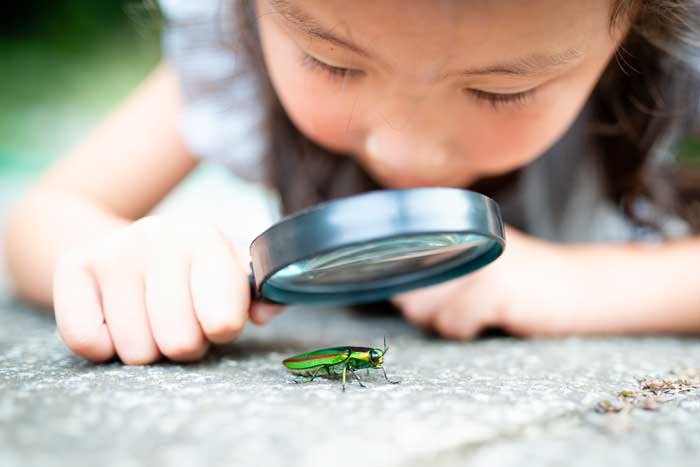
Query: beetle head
(376, 357)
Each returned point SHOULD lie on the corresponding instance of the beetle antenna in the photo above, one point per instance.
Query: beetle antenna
(385, 346)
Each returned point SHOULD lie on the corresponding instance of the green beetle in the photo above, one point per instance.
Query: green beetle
(336, 361)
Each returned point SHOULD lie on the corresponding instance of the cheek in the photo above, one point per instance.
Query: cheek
(509, 141)
(323, 119)
(321, 108)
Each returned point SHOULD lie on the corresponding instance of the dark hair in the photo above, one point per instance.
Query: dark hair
(645, 102)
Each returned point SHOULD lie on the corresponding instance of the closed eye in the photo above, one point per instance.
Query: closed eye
(496, 100)
(332, 71)
(499, 100)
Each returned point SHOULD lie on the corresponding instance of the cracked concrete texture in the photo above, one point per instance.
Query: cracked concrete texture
(496, 401)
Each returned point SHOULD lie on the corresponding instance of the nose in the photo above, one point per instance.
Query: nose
(413, 147)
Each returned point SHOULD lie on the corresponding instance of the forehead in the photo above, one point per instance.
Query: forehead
(480, 29)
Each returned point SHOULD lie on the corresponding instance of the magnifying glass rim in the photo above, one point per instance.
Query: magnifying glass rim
(339, 224)
(401, 283)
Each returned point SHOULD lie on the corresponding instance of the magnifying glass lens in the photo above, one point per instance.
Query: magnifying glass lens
(380, 263)
(369, 247)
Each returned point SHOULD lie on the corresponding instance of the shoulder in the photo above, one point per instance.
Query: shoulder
(222, 116)
(193, 30)
(178, 10)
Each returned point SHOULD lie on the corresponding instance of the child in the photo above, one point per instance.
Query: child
(567, 113)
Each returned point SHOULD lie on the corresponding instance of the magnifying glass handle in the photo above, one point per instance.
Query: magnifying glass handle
(253, 289)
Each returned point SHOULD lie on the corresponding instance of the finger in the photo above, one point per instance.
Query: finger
(455, 323)
(420, 306)
(415, 308)
(261, 312)
(419, 313)
(174, 325)
(125, 313)
(461, 320)
(78, 310)
(219, 287)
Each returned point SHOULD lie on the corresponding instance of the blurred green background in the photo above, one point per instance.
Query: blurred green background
(65, 63)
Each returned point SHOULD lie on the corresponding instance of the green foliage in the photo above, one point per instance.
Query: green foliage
(65, 63)
(689, 151)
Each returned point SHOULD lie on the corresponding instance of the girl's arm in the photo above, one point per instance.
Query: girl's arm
(115, 176)
(638, 288)
(542, 288)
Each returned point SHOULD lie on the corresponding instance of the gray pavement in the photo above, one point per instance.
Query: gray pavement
(494, 401)
(497, 401)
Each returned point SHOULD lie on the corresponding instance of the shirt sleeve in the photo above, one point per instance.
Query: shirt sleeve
(222, 117)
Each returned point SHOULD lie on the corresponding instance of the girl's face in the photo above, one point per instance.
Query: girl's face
(435, 92)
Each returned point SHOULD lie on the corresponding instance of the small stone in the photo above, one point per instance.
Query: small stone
(607, 407)
(650, 404)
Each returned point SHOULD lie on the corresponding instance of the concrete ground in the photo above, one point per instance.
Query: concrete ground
(494, 401)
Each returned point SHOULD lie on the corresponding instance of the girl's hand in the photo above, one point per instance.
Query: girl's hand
(526, 291)
(152, 289)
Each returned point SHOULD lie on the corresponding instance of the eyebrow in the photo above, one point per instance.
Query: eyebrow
(535, 64)
(532, 65)
(308, 25)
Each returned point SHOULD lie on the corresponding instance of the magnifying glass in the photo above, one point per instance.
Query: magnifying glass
(371, 246)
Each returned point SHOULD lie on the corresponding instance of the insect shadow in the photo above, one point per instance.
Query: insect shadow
(249, 349)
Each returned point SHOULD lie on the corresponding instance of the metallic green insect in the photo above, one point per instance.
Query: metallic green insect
(338, 360)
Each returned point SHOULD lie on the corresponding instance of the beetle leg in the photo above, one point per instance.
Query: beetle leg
(345, 369)
(357, 378)
(387, 378)
(318, 370)
(311, 376)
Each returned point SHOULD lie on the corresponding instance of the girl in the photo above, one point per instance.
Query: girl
(568, 113)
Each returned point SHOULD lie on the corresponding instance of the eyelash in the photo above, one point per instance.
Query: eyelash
(333, 72)
(496, 100)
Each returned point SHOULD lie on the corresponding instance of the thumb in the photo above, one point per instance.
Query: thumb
(262, 312)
